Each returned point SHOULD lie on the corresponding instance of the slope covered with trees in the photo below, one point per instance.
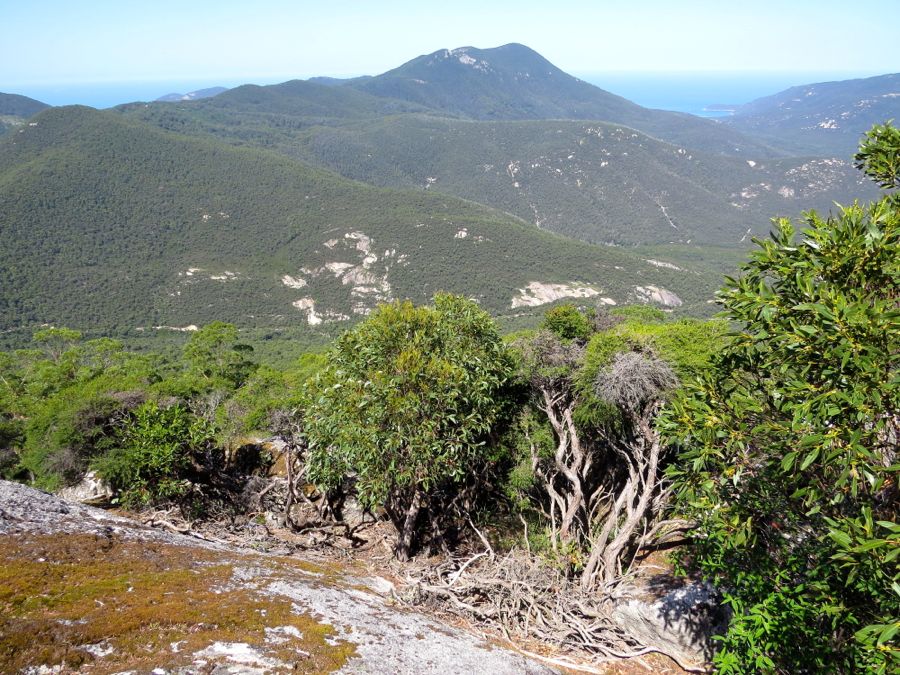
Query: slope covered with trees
(594, 181)
(110, 224)
(822, 118)
(16, 109)
(513, 82)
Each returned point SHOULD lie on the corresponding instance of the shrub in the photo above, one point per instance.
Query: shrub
(567, 322)
(156, 446)
(789, 461)
(407, 404)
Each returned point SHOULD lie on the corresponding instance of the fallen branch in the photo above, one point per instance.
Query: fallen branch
(523, 597)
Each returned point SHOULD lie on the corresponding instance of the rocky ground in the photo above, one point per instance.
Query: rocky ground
(84, 590)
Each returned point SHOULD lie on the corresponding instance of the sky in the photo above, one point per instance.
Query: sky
(45, 42)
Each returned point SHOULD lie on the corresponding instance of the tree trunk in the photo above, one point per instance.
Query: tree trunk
(404, 544)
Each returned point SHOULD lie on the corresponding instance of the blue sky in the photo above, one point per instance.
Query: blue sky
(51, 41)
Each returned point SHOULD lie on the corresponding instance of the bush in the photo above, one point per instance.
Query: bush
(789, 462)
(156, 447)
(407, 404)
(566, 322)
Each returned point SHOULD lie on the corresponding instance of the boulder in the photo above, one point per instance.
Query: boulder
(681, 623)
(92, 490)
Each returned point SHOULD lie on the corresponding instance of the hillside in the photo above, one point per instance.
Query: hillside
(822, 118)
(304, 98)
(20, 106)
(193, 95)
(113, 224)
(597, 182)
(15, 110)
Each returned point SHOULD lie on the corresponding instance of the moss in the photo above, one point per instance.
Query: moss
(59, 594)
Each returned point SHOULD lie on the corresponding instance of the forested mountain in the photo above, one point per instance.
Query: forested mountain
(821, 118)
(308, 99)
(238, 207)
(514, 82)
(112, 224)
(16, 109)
(595, 181)
(20, 106)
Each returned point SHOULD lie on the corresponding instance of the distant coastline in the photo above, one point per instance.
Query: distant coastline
(690, 92)
(701, 93)
(722, 108)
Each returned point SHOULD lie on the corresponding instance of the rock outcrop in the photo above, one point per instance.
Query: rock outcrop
(681, 623)
(88, 590)
(92, 490)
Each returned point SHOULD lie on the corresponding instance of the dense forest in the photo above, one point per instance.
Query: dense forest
(116, 227)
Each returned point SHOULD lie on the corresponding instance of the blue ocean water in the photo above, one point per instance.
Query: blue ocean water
(109, 94)
(690, 92)
(694, 92)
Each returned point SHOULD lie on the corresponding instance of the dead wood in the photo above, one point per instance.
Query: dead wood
(526, 599)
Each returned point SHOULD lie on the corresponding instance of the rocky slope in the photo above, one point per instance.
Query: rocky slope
(84, 590)
(825, 118)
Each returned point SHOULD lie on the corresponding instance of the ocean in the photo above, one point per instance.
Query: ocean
(694, 92)
(690, 92)
(109, 94)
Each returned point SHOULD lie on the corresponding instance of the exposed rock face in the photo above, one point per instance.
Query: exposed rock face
(537, 293)
(92, 490)
(660, 296)
(202, 605)
(680, 623)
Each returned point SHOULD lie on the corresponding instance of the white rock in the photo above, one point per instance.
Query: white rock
(537, 293)
(293, 282)
(91, 490)
(660, 296)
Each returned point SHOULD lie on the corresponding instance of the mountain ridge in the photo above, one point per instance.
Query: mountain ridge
(20, 106)
(514, 82)
(821, 117)
(114, 224)
(209, 92)
(15, 110)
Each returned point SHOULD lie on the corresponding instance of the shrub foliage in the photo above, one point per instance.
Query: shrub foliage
(406, 405)
(789, 462)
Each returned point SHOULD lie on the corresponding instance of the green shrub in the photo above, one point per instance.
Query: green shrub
(407, 404)
(156, 447)
(789, 461)
(567, 322)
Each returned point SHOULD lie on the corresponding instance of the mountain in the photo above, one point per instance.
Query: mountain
(338, 81)
(20, 106)
(513, 82)
(821, 118)
(112, 224)
(305, 98)
(598, 182)
(15, 110)
(194, 95)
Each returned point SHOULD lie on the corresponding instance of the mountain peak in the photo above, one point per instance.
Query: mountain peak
(514, 82)
(20, 106)
(512, 56)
